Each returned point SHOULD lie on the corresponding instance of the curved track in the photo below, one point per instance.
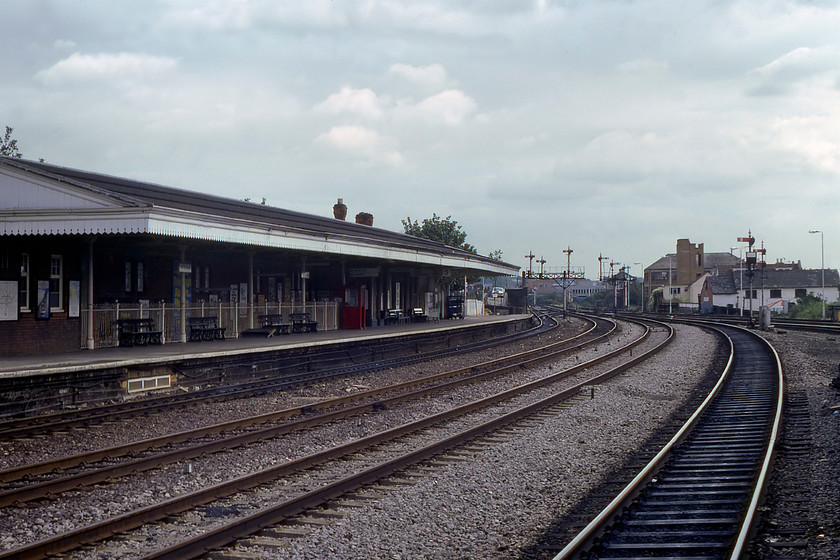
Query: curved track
(698, 498)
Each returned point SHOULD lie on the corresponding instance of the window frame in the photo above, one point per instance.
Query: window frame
(23, 283)
(57, 280)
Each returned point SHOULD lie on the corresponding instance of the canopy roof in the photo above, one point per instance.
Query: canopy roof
(42, 199)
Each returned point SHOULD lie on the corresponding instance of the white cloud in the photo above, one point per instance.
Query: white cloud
(363, 102)
(451, 107)
(218, 15)
(98, 67)
(814, 139)
(800, 65)
(361, 141)
(431, 76)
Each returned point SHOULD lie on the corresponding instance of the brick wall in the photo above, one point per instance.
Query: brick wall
(26, 336)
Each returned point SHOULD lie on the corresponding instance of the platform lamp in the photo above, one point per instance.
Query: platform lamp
(822, 265)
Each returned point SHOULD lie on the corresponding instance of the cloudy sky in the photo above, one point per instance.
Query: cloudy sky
(611, 127)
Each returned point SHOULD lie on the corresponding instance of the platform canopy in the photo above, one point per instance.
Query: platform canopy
(42, 199)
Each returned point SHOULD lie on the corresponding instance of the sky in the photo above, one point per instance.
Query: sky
(608, 127)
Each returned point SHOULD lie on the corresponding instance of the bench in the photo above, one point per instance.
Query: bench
(302, 322)
(138, 332)
(205, 328)
(418, 315)
(275, 324)
(394, 317)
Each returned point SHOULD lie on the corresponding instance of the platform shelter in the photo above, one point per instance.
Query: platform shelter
(82, 250)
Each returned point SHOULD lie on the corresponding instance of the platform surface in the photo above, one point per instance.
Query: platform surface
(22, 366)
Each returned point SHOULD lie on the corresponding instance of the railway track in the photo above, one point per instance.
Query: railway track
(326, 459)
(815, 325)
(278, 381)
(698, 497)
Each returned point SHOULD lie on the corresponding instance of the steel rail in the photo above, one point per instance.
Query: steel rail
(131, 520)
(110, 472)
(598, 527)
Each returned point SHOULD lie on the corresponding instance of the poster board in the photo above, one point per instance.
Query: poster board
(9, 300)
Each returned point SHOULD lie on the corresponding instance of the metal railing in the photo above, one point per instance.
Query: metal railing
(234, 317)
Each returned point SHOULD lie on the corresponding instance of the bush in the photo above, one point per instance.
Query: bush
(807, 307)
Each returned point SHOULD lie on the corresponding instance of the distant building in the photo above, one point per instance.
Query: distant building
(676, 272)
(777, 289)
(712, 282)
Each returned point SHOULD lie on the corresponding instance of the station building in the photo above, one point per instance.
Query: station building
(82, 249)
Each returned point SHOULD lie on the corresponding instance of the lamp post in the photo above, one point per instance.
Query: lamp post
(738, 294)
(642, 296)
(822, 265)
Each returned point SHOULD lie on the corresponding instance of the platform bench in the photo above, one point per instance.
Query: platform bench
(205, 328)
(395, 317)
(275, 324)
(302, 322)
(418, 315)
(138, 332)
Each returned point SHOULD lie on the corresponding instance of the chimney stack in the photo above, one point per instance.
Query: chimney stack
(340, 210)
(364, 218)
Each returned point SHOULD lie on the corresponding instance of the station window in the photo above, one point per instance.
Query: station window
(800, 292)
(774, 293)
(23, 284)
(127, 286)
(56, 275)
(140, 271)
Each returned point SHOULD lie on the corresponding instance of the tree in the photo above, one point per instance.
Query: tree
(496, 255)
(9, 146)
(445, 230)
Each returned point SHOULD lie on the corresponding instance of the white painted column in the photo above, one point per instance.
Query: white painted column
(251, 290)
(183, 275)
(90, 340)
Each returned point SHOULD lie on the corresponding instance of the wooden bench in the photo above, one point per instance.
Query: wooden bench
(394, 317)
(138, 332)
(418, 315)
(302, 322)
(275, 324)
(205, 328)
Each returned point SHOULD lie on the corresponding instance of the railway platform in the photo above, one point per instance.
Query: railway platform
(151, 355)
(49, 381)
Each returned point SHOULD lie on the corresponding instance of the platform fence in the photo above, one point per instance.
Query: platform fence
(167, 318)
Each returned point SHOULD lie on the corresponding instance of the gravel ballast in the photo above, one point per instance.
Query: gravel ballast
(496, 504)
